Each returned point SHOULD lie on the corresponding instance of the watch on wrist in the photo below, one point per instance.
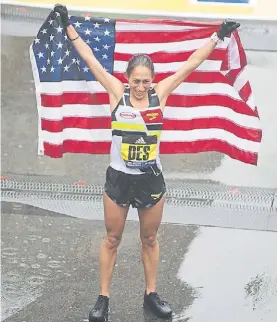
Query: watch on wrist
(215, 38)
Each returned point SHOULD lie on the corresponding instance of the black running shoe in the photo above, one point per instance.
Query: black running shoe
(160, 308)
(100, 310)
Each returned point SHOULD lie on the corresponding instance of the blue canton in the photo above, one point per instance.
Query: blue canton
(56, 57)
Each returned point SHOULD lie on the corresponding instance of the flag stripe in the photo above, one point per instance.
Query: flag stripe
(144, 26)
(207, 65)
(56, 126)
(102, 100)
(172, 113)
(72, 146)
(195, 77)
(165, 57)
(167, 22)
(148, 36)
(185, 46)
(167, 136)
(183, 89)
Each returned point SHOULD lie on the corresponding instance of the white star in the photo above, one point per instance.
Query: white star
(48, 61)
(43, 69)
(60, 45)
(52, 53)
(44, 31)
(37, 41)
(96, 49)
(107, 20)
(86, 69)
(52, 69)
(73, 60)
(106, 32)
(59, 29)
(96, 25)
(88, 32)
(57, 14)
(65, 37)
(67, 52)
(51, 37)
(46, 45)
(78, 61)
(106, 46)
(97, 38)
(60, 61)
(50, 21)
(77, 24)
(40, 54)
(104, 56)
(87, 18)
(66, 68)
(88, 41)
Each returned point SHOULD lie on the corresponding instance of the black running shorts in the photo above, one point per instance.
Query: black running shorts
(140, 191)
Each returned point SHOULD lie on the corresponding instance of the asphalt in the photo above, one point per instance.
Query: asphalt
(218, 257)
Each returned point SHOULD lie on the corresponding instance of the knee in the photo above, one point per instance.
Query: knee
(112, 241)
(149, 241)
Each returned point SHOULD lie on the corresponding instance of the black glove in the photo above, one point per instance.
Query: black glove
(62, 10)
(227, 28)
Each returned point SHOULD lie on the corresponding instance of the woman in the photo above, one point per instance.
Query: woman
(134, 176)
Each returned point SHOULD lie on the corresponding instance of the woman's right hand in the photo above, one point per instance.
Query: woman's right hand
(62, 10)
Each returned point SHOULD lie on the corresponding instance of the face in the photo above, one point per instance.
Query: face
(140, 81)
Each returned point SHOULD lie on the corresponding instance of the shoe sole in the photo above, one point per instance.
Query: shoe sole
(106, 318)
(167, 316)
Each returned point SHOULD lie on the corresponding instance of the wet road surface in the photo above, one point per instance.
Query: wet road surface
(50, 270)
(49, 248)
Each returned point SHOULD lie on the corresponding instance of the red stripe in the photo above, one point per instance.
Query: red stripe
(183, 125)
(88, 123)
(49, 100)
(214, 123)
(57, 151)
(213, 99)
(245, 92)
(173, 22)
(181, 101)
(69, 146)
(194, 77)
(208, 145)
(166, 57)
(147, 37)
(233, 74)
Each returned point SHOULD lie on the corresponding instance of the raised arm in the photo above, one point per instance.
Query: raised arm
(165, 87)
(112, 85)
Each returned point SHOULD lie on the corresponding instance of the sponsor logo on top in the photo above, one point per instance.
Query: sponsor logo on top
(127, 115)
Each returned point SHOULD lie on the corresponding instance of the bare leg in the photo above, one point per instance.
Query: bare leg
(115, 218)
(150, 220)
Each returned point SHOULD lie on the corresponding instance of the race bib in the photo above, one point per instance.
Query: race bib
(139, 152)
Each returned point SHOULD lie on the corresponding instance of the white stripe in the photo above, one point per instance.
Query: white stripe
(75, 110)
(207, 65)
(233, 53)
(241, 80)
(192, 113)
(189, 89)
(125, 26)
(172, 113)
(167, 136)
(251, 102)
(169, 47)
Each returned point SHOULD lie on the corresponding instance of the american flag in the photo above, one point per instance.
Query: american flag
(212, 110)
